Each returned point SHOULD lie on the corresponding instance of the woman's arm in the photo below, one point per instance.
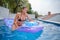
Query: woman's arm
(14, 26)
(16, 17)
(30, 19)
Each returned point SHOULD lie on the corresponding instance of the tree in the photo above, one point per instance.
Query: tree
(16, 5)
(29, 11)
(36, 14)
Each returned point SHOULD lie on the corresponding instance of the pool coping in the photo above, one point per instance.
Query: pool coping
(52, 22)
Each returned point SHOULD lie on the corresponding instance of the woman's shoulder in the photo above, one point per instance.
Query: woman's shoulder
(26, 13)
(18, 13)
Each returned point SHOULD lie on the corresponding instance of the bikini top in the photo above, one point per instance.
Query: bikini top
(20, 19)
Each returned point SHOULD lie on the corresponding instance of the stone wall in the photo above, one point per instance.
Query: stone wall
(4, 12)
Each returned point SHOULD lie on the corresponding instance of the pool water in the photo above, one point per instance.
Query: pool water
(50, 32)
(7, 34)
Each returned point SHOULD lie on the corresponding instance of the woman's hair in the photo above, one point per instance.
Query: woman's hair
(24, 7)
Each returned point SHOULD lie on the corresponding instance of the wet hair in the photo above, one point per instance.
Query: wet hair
(49, 12)
(24, 7)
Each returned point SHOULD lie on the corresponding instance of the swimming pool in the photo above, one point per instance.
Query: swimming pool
(7, 34)
(50, 32)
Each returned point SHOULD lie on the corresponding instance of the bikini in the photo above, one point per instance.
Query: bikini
(21, 19)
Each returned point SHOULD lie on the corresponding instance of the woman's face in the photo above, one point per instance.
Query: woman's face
(25, 10)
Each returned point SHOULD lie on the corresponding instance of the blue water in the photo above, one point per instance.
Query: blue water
(50, 32)
(8, 34)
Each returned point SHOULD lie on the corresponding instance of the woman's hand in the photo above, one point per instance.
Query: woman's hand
(38, 22)
(31, 20)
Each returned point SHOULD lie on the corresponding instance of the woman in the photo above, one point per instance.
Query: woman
(20, 18)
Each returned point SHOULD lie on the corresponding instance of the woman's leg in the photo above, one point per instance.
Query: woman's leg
(14, 26)
(19, 23)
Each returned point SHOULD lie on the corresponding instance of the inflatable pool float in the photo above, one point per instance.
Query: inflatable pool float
(26, 27)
